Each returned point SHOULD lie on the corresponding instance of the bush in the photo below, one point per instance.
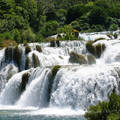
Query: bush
(97, 16)
(113, 27)
(77, 58)
(109, 110)
(8, 43)
(28, 35)
(38, 48)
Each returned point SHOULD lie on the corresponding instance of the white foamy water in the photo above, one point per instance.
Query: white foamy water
(73, 88)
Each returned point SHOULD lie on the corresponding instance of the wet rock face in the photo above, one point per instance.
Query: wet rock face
(77, 58)
(91, 59)
(38, 48)
(35, 60)
(24, 82)
(8, 54)
(27, 49)
(95, 50)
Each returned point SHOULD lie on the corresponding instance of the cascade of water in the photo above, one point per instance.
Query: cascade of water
(37, 92)
(12, 90)
(74, 86)
(79, 87)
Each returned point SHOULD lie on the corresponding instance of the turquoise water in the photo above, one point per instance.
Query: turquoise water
(27, 115)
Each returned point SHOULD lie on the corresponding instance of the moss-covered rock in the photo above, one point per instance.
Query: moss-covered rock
(8, 54)
(115, 35)
(58, 43)
(17, 55)
(25, 78)
(38, 48)
(99, 49)
(59, 37)
(51, 40)
(35, 60)
(27, 49)
(91, 59)
(90, 47)
(98, 39)
(27, 63)
(76, 33)
(77, 58)
(55, 69)
(110, 36)
(95, 50)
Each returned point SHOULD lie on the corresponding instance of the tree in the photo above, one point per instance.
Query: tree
(97, 16)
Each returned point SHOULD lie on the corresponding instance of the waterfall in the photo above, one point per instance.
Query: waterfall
(27, 79)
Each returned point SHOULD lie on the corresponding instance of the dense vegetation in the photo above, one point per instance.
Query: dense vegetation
(107, 110)
(34, 20)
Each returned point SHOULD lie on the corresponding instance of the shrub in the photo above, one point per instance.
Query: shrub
(77, 58)
(7, 43)
(27, 49)
(109, 110)
(28, 35)
(97, 16)
(113, 27)
(36, 61)
(38, 48)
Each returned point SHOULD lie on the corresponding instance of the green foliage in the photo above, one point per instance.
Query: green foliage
(28, 35)
(34, 20)
(113, 27)
(49, 28)
(108, 110)
(97, 16)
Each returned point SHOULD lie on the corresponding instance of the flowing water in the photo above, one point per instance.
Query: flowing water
(30, 91)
